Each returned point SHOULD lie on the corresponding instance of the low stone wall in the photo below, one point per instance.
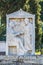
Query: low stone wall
(22, 59)
(2, 47)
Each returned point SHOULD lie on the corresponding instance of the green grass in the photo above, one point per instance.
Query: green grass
(38, 53)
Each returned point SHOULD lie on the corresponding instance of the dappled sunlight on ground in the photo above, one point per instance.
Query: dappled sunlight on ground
(38, 53)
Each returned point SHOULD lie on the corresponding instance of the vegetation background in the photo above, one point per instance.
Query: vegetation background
(32, 6)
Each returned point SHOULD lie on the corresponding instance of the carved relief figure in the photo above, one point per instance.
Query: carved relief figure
(27, 35)
(21, 29)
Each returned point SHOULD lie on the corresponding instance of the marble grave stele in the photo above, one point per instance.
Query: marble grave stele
(20, 39)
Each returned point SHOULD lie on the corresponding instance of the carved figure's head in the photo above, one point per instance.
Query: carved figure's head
(26, 21)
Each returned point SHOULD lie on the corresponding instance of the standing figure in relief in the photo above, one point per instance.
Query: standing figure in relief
(27, 35)
(11, 27)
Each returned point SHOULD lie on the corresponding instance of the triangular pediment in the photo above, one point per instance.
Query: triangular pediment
(20, 14)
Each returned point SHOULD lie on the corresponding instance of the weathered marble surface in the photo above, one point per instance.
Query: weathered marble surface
(20, 32)
(21, 25)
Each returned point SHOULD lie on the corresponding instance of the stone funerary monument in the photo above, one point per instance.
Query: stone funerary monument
(20, 39)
